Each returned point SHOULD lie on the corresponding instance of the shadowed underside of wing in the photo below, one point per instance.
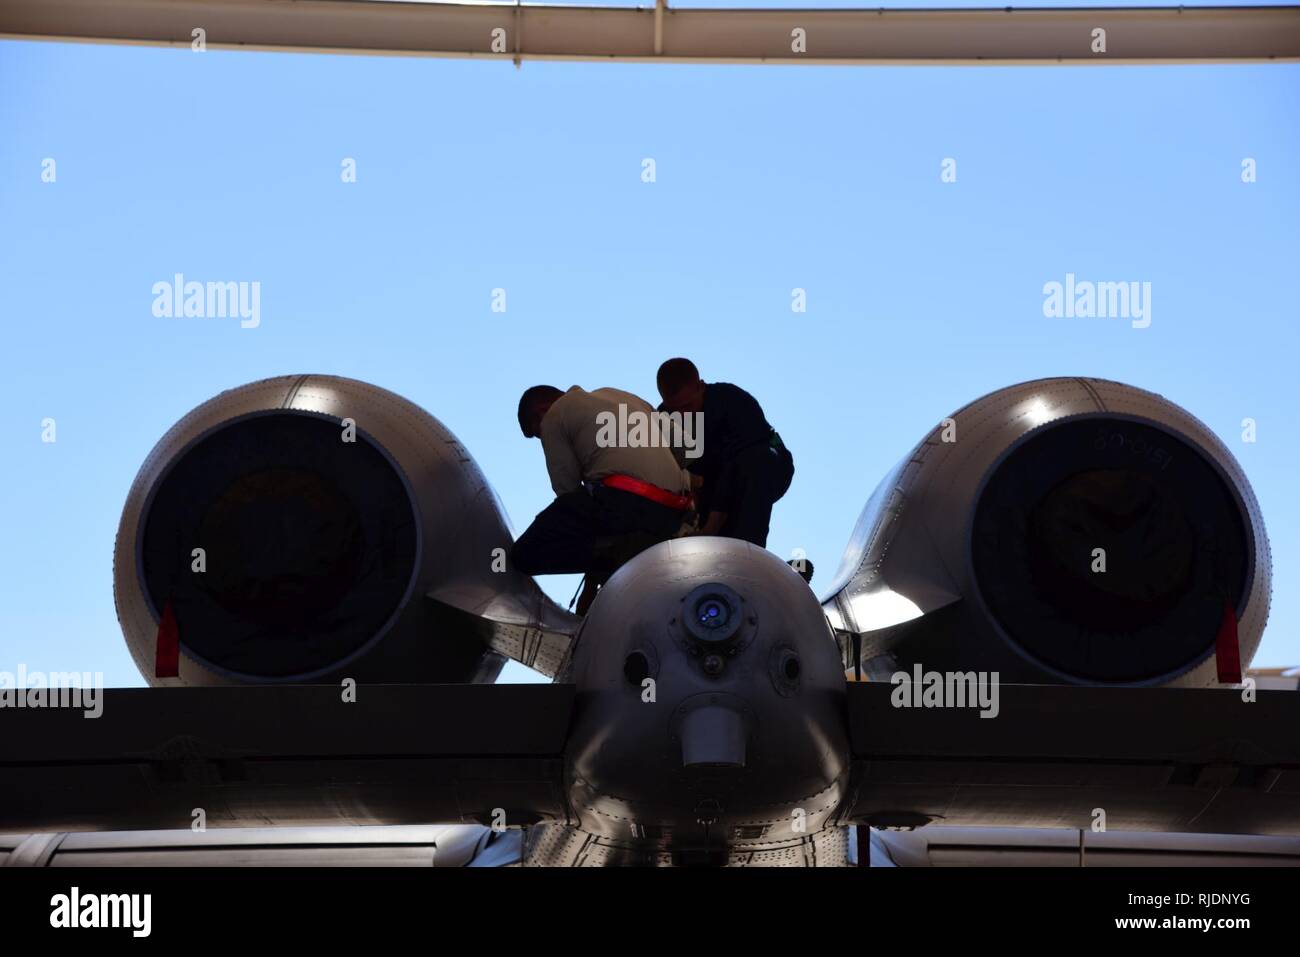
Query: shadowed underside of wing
(1129, 759)
(246, 756)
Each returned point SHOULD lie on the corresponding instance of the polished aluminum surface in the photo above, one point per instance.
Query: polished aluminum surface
(908, 556)
(461, 526)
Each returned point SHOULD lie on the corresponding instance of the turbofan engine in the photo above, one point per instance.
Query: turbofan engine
(1061, 530)
(311, 528)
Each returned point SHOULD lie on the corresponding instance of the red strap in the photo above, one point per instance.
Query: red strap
(167, 657)
(626, 483)
(1227, 651)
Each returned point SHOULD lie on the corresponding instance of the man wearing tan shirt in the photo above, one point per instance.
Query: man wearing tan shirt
(618, 487)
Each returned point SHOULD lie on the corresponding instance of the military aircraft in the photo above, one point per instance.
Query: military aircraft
(1034, 647)
(313, 575)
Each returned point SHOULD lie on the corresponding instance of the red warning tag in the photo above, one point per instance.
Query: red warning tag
(167, 657)
(1227, 652)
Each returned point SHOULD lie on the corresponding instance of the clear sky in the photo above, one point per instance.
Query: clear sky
(921, 295)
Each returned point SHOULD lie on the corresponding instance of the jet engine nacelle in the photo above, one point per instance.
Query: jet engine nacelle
(1061, 530)
(299, 529)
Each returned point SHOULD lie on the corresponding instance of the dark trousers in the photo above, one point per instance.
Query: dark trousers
(761, 476)
(592, 533)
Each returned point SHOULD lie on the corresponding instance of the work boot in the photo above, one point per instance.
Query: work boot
(589, 589)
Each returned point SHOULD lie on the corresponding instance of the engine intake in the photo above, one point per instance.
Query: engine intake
(1072, 530)
(308, 528)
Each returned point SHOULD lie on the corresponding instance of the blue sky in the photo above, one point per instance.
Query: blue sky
(476, 175)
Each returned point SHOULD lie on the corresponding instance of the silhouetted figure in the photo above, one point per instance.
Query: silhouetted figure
(744, 467)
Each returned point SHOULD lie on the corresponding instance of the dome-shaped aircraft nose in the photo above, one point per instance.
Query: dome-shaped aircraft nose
(710, 687)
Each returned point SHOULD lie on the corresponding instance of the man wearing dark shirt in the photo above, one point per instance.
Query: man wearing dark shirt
(744, 467)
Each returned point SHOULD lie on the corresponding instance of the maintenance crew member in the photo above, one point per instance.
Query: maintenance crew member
(743, 468)
(612, 499)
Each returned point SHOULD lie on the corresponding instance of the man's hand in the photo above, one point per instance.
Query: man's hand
(714, 524)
